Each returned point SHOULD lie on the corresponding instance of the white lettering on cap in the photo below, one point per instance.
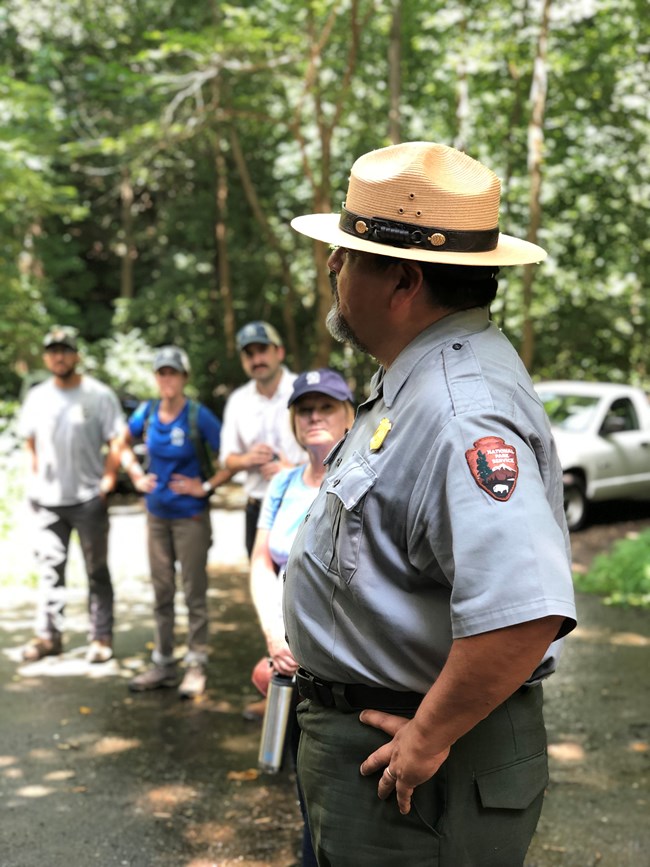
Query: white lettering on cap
(313, 377)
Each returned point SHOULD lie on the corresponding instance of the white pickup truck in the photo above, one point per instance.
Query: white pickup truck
(602, 432)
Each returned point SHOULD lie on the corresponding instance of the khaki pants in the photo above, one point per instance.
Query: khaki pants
(479, 810)
(187, 541)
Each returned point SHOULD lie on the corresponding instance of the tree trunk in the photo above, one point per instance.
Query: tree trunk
(291, 302)
(640, 335)
(326, 124)
(535, 157)
(395, 73)
(462, 95)
(126, 248)
(224, 288)
(223, 262)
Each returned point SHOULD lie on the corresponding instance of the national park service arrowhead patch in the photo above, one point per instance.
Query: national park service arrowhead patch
(493, 464)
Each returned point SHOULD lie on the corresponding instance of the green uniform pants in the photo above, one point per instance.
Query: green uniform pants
(480, 809)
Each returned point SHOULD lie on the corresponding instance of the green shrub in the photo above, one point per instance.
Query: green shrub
(622, 576)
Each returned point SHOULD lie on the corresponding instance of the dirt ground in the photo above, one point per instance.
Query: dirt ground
(90, 774)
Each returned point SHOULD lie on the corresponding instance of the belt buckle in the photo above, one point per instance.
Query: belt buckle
(307, 686)
(315, 690)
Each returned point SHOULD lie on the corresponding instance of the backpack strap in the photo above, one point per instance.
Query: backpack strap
(201, 448)
(152, 409)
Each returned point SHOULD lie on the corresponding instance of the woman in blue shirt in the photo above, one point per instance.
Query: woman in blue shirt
(177, 487)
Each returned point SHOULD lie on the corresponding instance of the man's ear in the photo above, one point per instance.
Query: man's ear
(409, 283)
(281, 352)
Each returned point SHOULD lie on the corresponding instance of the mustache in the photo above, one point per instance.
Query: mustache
(333, 282)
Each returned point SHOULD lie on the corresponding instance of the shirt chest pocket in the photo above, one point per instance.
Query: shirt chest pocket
(338, 538)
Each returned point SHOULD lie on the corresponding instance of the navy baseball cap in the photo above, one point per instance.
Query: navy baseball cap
(171, 356)
(61, 335)
(321, 381)
(258, 332)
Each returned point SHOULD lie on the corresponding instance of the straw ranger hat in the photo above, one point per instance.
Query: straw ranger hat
(423, 201)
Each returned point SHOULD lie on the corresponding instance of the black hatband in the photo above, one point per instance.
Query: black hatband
(398, 234)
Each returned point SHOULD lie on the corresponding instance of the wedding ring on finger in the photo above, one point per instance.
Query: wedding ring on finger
(390, 774)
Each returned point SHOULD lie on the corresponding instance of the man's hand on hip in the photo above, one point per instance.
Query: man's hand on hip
(406, 760)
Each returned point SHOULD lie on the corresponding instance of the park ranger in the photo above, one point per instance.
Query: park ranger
(429, 588)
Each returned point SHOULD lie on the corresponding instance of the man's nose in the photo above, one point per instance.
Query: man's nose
(334, 261)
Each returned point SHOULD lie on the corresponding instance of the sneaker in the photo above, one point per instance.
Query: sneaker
(100, 650)
(254, 712)
(193, 683)
(39, 647)
(155, 677)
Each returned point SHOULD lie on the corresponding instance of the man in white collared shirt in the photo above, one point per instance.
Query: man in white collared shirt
(256, 437)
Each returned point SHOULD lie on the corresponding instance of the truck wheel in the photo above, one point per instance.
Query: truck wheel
(575, 503)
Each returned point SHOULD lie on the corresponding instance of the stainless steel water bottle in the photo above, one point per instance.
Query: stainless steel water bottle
(276, 718)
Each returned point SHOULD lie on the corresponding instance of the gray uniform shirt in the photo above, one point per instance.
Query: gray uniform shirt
(444, 521)
(70, 428)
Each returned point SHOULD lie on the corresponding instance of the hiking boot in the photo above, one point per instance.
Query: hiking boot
(254, 712)
(39, 647)
(100, 650)
(154, 678)
(193, 683)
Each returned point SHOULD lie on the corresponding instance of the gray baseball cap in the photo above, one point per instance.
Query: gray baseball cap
(171, 356)
(258, 332)
(61, 335)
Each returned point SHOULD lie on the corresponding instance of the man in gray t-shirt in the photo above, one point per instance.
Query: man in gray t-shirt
(67, 421)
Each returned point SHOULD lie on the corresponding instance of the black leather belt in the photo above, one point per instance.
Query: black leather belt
(348, 697)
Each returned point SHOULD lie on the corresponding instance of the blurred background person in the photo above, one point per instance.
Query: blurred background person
(67, 422)
(321, 411)
(177, 485)
(257, 438)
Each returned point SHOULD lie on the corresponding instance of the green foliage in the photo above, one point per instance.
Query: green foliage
(118, 137)
(622, 576)
(124, 362)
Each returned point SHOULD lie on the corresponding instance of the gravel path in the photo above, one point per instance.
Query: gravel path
(90, 774)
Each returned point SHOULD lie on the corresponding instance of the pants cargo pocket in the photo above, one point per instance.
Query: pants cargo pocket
(515, 786)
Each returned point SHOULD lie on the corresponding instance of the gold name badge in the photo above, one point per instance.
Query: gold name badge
(380, 434)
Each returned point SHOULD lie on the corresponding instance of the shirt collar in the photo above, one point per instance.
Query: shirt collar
(389, 382)
(284, 389)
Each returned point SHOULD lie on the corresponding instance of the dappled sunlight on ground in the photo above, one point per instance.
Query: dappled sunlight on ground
(34, 791)
(235, 744)
(605, 636)
(164, 799)
(568, 751)
(111, 745)
(58, 776)
(630, 639)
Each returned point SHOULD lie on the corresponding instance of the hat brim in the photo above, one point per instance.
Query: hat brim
(171, 366)
(65, 343)
(326, 392)
(509, 250)
(263, 341)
